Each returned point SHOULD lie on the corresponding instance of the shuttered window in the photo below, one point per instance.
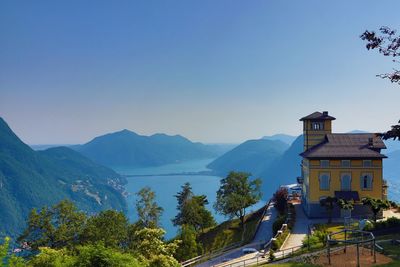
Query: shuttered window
(366, 181)
(324, 179)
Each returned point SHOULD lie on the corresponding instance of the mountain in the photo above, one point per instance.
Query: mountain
(251, 156)
(284, 170)
(32, 179)
(126, 148)
(288, 139)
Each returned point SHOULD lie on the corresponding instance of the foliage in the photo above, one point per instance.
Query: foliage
(99, 255)
(55, 227)
(49, 257)
(277, 225)
(316, 240)
(148, 210)
(85, 256)
(391, 222)
(230, 233)
(109, 227)
(393, 133)
(192, 210)
(189, 248)
(280, 199)
(31, 179)
(376, 205)
(388, 44)
(4, 249)
(237, 193)
(329, 204)
(346, 204)
(147, 243)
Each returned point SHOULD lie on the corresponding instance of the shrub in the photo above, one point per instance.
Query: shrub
(278, 224)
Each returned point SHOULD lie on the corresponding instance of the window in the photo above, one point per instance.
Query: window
(324, 163)
(345, 183)
(367, 163)
(324, 179)
(346, 163)
(366, 181)
(316, 126)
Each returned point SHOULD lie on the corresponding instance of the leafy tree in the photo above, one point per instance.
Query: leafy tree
(236, 193)
(346, 204)
(192, 210)
(393, 133)
(388, 44)
(280, 199)
(49, 257)
(100, 256)
(4, 250)
(329, 204)
(55, 227)
(148, 210)
(147, 245)
(109, 227)
(189, 248)
(376, 205)
(85, 256)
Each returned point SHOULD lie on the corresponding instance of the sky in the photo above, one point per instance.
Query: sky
(213, 71)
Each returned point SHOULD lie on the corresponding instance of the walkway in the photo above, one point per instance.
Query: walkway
(299, 231)
(263, 235)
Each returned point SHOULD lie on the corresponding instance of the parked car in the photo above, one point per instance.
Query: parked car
(249, 250)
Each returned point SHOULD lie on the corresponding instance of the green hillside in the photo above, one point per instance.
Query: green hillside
(31, 179)
(126, 148)
(252, 156)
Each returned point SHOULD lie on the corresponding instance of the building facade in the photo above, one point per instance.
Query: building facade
(346, 166)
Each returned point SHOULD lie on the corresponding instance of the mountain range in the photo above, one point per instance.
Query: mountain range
(127, 148)
(33, 179)
(252, 156)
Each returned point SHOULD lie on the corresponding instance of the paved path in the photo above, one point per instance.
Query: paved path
(235, 257)
(300, 229)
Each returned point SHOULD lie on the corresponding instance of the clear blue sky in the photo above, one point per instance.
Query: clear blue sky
(213, 71)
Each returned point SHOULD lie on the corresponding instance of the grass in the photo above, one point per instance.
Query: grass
(230, 232)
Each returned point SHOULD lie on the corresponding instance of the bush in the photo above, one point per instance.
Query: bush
(389, 223)
(278, 224)
(317, 239)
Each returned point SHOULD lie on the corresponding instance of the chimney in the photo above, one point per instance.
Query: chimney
(325, 113)
(370, 141)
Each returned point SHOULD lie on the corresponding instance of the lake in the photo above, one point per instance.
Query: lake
(166, 186)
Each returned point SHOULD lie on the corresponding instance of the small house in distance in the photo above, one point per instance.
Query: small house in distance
(346, 166)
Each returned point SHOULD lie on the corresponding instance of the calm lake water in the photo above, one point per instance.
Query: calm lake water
(166, 186)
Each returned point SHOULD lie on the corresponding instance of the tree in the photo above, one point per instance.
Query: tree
(55, 227)
(148, 210)
(329, 204)
(236, 193)
(346, 204)
(189, 248)
(388, 44)
(280, 199)
(4, 249)
(192, 210)
(376, 205)
(109, 227)
(148, 246)
(49, 257)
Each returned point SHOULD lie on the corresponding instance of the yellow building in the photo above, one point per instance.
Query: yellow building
(346, 166)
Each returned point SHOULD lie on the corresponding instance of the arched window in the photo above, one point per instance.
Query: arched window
(345, 183)
(366, 181)
(324, 181)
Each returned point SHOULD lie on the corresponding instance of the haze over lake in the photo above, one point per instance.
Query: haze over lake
(166, 186)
